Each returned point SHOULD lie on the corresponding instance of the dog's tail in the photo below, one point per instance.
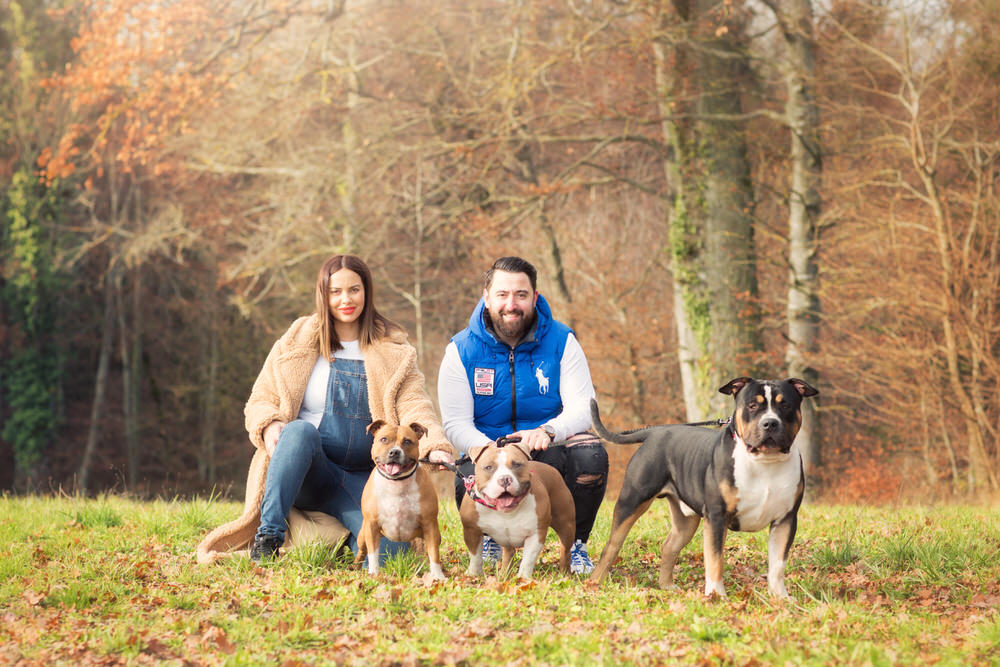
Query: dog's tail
(623, 438)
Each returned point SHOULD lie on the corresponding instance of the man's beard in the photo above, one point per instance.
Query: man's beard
(516, 329)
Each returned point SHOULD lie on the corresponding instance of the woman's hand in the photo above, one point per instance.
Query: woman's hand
(271, 433)
(438, 456)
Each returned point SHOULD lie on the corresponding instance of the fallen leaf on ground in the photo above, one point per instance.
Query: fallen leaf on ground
(33, 597)
(216, 636)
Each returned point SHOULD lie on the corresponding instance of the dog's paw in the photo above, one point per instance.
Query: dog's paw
(715, 591)
(475, 565)
(431, 579)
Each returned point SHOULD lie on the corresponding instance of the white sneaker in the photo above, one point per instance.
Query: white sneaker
(492, 551)
(579, 560)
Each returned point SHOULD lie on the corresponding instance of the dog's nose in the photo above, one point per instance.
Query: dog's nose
(505, 481)
(770, 424)
(395, 455)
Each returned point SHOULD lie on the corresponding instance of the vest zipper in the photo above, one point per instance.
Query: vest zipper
(513, 394)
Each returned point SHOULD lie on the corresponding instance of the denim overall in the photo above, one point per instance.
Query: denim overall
(325, 468)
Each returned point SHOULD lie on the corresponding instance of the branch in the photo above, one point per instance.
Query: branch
(212, 167)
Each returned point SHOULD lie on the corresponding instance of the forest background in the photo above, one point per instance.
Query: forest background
(710, 188)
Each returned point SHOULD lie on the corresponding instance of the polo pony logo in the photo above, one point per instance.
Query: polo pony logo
(543, 382)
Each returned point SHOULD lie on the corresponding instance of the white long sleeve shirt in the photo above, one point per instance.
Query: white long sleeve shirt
(457, 402)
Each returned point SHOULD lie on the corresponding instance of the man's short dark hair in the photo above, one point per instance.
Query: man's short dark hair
(512, 265)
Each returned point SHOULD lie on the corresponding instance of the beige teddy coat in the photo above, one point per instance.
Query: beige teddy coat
(395, 394)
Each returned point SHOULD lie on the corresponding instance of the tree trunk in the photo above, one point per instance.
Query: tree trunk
(796, 20)
(555, 254)
(711, 232)
(685, 247)
(729, 262)
(130, 341)
(133, 429)
(349, 183)
(100, 383)
(209, 396)
(418, 267)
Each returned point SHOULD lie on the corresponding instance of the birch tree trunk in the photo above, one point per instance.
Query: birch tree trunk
(683, 242)
(796, 20)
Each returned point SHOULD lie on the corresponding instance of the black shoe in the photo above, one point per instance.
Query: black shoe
(265, 546)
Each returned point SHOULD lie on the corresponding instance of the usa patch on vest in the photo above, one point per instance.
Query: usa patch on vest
(483, 381)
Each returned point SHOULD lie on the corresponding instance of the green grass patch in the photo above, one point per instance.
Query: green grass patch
(114, 580)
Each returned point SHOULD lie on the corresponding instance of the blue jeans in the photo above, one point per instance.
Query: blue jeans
(325, 468)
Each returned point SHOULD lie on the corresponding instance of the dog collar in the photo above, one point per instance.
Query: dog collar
(399, 478)
(470, 490)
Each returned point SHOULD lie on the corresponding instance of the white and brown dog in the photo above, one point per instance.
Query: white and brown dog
(515, 500)
(399, 500)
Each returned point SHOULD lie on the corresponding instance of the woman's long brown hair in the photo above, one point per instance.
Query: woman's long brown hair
(372, 323)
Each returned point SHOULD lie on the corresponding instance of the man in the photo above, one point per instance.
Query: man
(515, 371)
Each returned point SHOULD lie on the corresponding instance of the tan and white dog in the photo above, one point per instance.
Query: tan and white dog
(399, 500)
(515, 500)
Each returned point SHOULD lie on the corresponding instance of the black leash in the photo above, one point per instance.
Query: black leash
(505, 440)
(711, 422)
(443, 464)
(468, 481)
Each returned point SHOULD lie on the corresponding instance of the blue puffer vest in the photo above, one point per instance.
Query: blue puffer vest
(514, 389)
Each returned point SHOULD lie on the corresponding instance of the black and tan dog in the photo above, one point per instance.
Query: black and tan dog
(747, 476)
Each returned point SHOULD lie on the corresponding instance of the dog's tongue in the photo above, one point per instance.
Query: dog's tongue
(392, 469)
(507, 501)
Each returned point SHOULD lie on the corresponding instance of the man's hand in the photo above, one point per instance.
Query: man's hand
(533, 438)
(271, 433)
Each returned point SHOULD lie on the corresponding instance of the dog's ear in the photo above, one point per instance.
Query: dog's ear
(418, 429)
(521, 446)
(802, 387)
(374, 426)
(733, 386)
(477, 451)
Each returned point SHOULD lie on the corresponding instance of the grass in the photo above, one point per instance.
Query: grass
(113, 581)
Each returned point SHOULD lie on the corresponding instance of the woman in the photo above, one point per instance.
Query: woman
(329, 376)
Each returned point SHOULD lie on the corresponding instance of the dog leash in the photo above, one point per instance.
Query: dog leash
(503, 441)
(712, 422)
(469, 481)
(507, 440)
